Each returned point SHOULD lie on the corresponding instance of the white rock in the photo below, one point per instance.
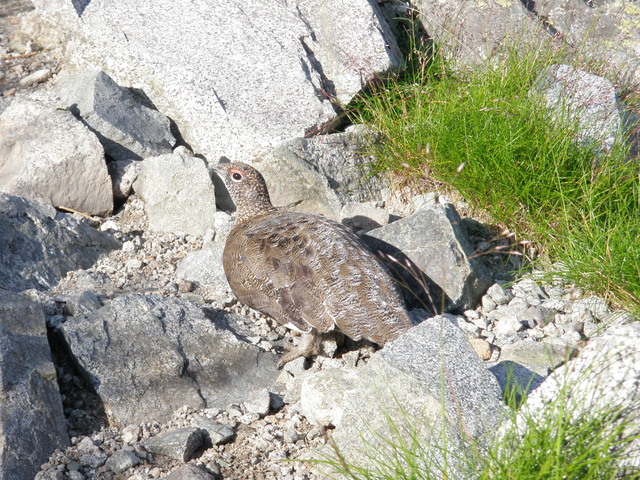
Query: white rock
(48, 155)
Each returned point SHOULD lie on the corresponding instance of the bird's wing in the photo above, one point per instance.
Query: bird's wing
(308, 271)
(274, 267)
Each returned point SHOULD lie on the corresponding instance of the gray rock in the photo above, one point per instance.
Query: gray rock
(218, 433)
(607, 30)
(32, 423)
(80, 302)
(435, 243)
(205, 268)
(302, 189)
(539, 357)
(515, 378)
(603, 380)
(93, 460)
(579, 97)
(39, 246)
(507, 320)
(191, 472)
(48, 155)
(255, 76)
(127, 129)
(471, 33)
(161, 354)
(122, 460)
(178, 193)
(259, 404)
(401, 389)
(180, 444)
(499, 294)
(340, 159)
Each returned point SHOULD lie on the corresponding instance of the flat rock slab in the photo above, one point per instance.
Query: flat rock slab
(32, 423)
(235, 77)
(147, 355)
(50, 156)
(38, 245)
(127, 129)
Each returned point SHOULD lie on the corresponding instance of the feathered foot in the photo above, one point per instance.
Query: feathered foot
(309, 346)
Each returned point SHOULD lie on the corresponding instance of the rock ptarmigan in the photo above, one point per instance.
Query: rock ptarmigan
(306, 271)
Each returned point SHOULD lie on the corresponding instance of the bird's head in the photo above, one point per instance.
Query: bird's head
(247, 188)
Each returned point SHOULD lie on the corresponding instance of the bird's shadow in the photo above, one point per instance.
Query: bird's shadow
(418, 289)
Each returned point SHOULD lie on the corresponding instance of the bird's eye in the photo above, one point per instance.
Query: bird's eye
(237, 176)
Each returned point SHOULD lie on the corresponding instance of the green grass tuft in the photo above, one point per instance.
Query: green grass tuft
(482, 133)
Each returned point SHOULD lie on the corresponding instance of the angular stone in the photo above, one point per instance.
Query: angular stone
(178, 193)
(361, 216)
(180, 444)
(539, 357)
(127, 129)
(205, 268)
(161, 354)
(122, 461)
(32, 423)
(499, 294)
(191, 472)
(401, 389)
(218, 433)
(435, 245)
(48, 155)
(38, 246)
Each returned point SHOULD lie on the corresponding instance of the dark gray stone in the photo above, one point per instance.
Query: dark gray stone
(180, 444)
(217, 432)
(39, 246)
(191, 472)
(127, 129)
(430, 252)
(122, 461)
(32, 423)
(147, 356)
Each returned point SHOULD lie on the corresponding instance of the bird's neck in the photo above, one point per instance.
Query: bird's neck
(253, 209)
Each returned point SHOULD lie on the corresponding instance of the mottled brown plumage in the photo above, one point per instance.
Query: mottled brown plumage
(305, 271)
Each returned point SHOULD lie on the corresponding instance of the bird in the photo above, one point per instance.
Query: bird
(305, 271)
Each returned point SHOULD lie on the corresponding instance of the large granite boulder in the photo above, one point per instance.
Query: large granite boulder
(32, 423)
(38, 245)
(147, 355)
(235, 78)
